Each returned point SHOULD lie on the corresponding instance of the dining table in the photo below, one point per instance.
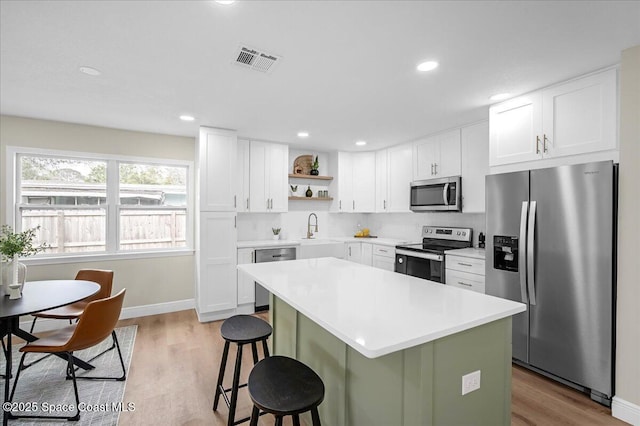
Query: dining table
(38, 296)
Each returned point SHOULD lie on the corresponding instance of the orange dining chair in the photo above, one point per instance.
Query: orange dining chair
(73, 311)
(95, 325)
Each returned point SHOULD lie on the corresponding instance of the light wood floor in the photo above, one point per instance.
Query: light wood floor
(175, 366)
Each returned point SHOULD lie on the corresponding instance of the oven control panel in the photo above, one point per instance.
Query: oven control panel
(443, 233)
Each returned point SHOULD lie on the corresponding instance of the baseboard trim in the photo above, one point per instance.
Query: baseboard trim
(625, 411)
(45, 324)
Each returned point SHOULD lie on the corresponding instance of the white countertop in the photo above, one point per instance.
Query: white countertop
(391, 242)
(476, 253)
(374, 311)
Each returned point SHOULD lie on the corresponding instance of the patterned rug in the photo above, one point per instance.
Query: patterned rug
(43, 386)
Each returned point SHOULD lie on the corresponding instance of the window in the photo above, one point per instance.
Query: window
(94, 205)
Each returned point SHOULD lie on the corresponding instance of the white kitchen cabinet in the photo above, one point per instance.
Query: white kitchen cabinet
(242, 176)
(216, 289)
(437, 156)
(383, 257)
(353, 252)
(393, 179)
(572, 118)
(216, 169)
(246, 285)
(366, 254)
(580, 116)
(399, 173)
(382, 181)
(465, 272)
(475, 166)
(268, 178)
(354, 182)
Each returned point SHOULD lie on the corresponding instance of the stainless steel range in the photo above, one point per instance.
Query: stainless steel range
(426, 259)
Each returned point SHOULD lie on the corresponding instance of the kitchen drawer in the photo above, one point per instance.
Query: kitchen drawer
(386, 251)
(465, 280)
(464, 264)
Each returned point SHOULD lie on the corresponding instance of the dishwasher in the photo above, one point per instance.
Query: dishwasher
(270, 255)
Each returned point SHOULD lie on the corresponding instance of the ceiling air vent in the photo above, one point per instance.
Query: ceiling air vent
(255, 59)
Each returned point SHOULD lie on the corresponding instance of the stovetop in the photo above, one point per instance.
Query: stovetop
(438, 239)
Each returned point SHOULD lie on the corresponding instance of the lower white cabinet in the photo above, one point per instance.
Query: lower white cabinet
(366, 254)
(465, 272)
(246, 285)
(353, 252)
(216, 288)
(383, 257)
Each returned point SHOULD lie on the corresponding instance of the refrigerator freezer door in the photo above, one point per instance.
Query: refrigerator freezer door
(571, 323)
(506, 194)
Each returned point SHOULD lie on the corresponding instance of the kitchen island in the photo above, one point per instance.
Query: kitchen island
(391, 348)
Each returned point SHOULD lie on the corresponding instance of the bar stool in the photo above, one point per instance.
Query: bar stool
(241, 330)
(284, 386)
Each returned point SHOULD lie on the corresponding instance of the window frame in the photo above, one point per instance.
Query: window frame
(112, 208)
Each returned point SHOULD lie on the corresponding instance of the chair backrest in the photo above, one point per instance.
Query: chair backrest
(101, 276)
(96, 323)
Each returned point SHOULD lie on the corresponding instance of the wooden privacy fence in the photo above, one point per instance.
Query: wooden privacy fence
(67, 231)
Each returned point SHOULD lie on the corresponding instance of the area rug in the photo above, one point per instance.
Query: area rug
(43, 386)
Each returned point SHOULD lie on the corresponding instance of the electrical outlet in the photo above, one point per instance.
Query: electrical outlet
(470, 382)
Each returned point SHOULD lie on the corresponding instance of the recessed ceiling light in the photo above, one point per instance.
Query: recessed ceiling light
(361, 143)
(90, 71)
(499, 97)
(187, 118)
(303, 134)
(225, 2)
(427, 66)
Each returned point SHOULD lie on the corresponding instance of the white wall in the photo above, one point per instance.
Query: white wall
(148, 281)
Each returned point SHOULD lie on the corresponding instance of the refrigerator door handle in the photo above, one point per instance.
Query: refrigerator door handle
(522, 256)
(445, 194)
(530, 254)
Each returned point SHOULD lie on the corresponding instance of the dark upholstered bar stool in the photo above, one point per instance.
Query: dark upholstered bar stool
(241, 330)
(284, 386)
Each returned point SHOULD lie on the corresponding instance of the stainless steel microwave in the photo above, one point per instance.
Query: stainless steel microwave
(436, 195)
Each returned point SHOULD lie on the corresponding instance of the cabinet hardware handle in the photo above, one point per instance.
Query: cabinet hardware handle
(340, 207)
(247, 204)
(544, 142)
(267, 204)
(349, 251)
(384, 251)
(464, 264)
(234, 201)
(384, 204)
(537, 144)
(354, 204)
(271, 203)
(468, 285)
(435, 167)
(431, 169)
(235, 221)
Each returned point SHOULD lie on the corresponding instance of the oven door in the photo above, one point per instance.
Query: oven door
(436, 195)
(428, 266)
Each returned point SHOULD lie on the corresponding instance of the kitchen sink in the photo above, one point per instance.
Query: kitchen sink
(310, 249)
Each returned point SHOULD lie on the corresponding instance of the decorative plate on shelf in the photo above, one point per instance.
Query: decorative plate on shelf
(302, 165)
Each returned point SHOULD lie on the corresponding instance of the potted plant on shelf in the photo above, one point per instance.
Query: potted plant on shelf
(314, 167)
(294, 190)
(14, 245)
(276, 233)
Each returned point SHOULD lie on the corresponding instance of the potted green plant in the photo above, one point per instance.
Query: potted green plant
(276, 233)
(294, 190)
(14, 245)
(314, 167)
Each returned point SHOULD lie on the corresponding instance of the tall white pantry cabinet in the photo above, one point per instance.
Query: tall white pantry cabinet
(216, 232)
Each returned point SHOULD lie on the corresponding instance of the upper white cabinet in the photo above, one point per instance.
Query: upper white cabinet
(399, 159)
(354, 185)
(216, 169)
(382, 181)
(437, 156)
(268, 179)
(242, 176)
(577, 117)
(475, 166)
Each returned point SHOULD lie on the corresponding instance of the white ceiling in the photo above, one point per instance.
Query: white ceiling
(348, 68)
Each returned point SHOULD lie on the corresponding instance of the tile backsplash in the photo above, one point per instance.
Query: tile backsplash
(405, 226)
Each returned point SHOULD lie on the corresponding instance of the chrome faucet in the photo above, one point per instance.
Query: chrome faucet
(309, 233)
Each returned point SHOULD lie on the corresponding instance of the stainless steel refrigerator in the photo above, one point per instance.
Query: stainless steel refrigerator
(551, 245)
